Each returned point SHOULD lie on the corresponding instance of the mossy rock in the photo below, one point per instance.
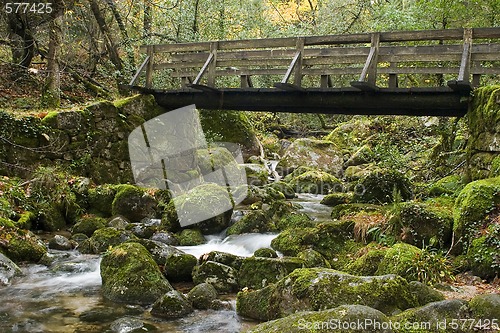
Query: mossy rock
(202, 296)
(328, 321)
(139, 105)
(399, 259)
(379, 187)
(100, 199)
(257, 174)
(294, 220)
(320, 154)
(191, 237)
(449, 185)
(179, 266)
(422, 224)
(482, 119)
(483, 253)
(225, 258)
(472, 206)
(159, 251)
(313, 289)
(283, 187)
(433, 315)
(87, 224)
(133, 203)
(339, 198)
(313, 258)
(104, 238)
(172, 305)
(21, 245)
(222, 277)
(255, 221)
(368, 263)
(257, 272)
(363, 155)
(317, 182)
(351, 133)
(130, 275)
(8, 270)
(209, 202)
(59, 242)
(265, 253)
(485, 306)
(50, 217)
(424, 294)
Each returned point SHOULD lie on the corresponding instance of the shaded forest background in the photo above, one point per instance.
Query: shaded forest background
(83, 50)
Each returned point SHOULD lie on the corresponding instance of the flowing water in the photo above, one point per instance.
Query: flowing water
(65, 297)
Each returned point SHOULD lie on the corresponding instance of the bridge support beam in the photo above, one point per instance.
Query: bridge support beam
(414, 102)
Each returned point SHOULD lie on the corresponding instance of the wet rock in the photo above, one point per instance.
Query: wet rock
(334, 199)
(79, 238)
(315, 289)
(130, 275)
(8, 270)
(202, 296)
(380, 187)
(118, 222)
(133, 203)
(22, 245)
(329, 321)
(103, 238)
(147, 228)
(171, 305)
(313, 258)
(87, 224)
(485, 306)
(179, 266)
(255, 221)
(317, 182)
(130, 325)
(257, 174)
(59, 242)
(167, 238)
(265, 253)
(228, 259)
(256, 272)
(324, 155)
(222, 277)
(191, 237)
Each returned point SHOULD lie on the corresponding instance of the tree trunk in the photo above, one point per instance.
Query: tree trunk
(148, 17)
(108, 37)
(23, 51)
(51, 97)
(123, 32)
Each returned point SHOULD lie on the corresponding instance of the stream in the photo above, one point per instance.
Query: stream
(65, 297)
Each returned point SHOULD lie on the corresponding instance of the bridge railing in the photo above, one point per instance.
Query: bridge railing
(369, 60)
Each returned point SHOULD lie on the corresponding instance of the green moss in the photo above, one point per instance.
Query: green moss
(368, 263)
(294, 220)
(449, 185)
(399, 259)
(50, 119)
(6, 223)
(133, 203)
(349, 209)
(313, 258)
(317, 182)
(381, 186)
(26, 220)
(222, 277)
(171, 305)
(130, 275)
(334, 199)
(178, 266)
(87, 224)
(100, 199)
(104, 238)
(202, 296)
(191, 237)
(257, 272)
(21, 245)
(472, 206)
(485, 306)
(265, 253)
(253, 221)
(228, 259)
(483, 254)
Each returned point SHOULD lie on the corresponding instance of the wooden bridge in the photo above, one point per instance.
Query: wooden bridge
(409, 73)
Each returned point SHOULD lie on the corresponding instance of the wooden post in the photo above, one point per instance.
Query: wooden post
(149, 67)
(246, 81)
(213, 65)
(368, 78)
(326, 81)
(462, 84)
(393, 78)
(297, 80)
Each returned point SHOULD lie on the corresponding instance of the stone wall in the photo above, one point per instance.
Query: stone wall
(483, 147)
(92, 142)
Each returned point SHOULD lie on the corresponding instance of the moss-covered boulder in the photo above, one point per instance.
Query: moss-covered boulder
(424, 294)
(339, 198)
(313, 258)
(449, 185)
(380, 187)
(294, 219)
(342, 210)
(105, 238)
(130, 275)
(100, 199)
(423, 224)
(215, 127)
(59, 242)
(472, 207)
(118, 222)
(8, 270)
(87, 224)
(321, 154)
(179, 266)
(159, 251)
(21, 245)
(172, 305)
(257, 174)
(363, 155)
(222, 277)
(351, 133)
(433, 315)
(316, 289)
(133, 203)
(368, 263)
(400, 260)
(202, 296)
(257, 272)
(483, 253)
(50, 216)
(486, 306)
(253, 221)
(225, 258)
(337, 320)
(207, 200)
(328, 238)
(283, 187)
(317, 182)
(191, 237)
(265, 253)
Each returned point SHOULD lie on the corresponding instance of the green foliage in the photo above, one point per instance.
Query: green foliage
(430, 267)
